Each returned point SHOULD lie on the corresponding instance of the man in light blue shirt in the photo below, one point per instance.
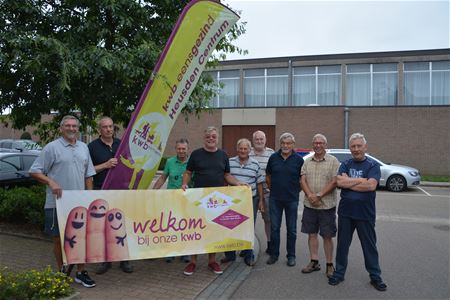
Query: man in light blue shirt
(64, 164)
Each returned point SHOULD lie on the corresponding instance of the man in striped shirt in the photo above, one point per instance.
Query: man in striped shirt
(246, 169)
(262, 153)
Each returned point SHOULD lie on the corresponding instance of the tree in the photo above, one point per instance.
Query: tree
(90, 56)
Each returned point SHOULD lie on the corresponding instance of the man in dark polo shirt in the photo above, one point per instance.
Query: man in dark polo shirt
(102, 152)
(283, 180)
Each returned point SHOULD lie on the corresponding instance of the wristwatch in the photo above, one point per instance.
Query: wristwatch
(319, 194)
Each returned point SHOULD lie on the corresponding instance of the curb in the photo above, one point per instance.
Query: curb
(224, 286)
(74, 296)
(434, 184)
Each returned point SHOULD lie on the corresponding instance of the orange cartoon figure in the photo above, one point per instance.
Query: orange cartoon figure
(95, 240)
(75, 236)
(116, 236)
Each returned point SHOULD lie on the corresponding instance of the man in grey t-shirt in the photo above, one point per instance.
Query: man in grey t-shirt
(64, 164)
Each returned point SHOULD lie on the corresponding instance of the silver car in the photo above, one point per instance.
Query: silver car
(396, 178)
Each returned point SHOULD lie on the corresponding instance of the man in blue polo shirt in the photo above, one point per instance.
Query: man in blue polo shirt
(358, 178)
(283, 180)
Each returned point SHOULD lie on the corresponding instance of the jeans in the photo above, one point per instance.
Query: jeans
(249, 252)
(368, 239)
(276, 213)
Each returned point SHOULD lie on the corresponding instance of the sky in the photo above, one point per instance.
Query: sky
(296, 28)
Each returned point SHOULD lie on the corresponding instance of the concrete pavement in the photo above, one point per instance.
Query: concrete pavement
(151, 279)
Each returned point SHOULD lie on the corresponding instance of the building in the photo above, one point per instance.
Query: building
(399, 100)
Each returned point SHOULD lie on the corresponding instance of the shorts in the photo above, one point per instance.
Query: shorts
(323, 220)
(51, 222)
(266, 214)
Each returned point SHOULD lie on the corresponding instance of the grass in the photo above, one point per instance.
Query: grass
(433, 178)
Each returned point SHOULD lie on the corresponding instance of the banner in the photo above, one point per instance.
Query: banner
(199, 29)
(97, 226)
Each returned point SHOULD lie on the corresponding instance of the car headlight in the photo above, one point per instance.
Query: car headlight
(413, 173)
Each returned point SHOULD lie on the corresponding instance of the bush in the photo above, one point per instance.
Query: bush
(23, 205)
(25, 136)
(34, 285)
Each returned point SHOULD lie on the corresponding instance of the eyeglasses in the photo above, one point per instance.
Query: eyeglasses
(318, 143)
(287, 143)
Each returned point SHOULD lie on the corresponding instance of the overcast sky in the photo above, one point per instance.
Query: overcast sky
(293, 28)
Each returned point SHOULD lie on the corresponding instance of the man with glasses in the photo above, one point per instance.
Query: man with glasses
(209, 166)
(319, 214)
(283, 180)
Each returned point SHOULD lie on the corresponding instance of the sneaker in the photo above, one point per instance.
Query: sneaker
(84, 279)
(379, 285)
(330, 270)
(272, 260)
(169, 259)
(66, 269)
(126, 266)
(185, 259)
(249, 261)
(190, 269)
(291, 262)
(103, 268)
(334, 280)
(215, 268)
(311, 267)
(225, 260)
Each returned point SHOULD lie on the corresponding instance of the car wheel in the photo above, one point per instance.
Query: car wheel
(396, 183)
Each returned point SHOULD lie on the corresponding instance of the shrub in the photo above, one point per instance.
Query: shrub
(23, 205)
(34, 285)
(25, 136)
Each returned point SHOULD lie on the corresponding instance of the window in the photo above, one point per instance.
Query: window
(427, 83)
(319, 85)
(277, 87)
(255, 87)
(371, 84)
(228, 84)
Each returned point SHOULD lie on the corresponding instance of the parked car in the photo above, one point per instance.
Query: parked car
(21, 145)
(396, 178)
(303, 151)
(14, 167)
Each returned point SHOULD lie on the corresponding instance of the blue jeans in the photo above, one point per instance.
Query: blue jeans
(248, 253)
(276, 214)
(368, 239)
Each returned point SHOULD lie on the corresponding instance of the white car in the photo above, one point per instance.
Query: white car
(396, 178)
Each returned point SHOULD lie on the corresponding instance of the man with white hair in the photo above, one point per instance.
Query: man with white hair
(262, 153)
(319, 213)
(283, 180)
(358, 179)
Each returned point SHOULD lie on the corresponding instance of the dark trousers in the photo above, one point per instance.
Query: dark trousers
(290, 209)
(248, 253)
(368, 239)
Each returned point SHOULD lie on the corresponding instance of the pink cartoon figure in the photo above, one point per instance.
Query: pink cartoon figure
(116, 236)
(75, 236)
(95, 231)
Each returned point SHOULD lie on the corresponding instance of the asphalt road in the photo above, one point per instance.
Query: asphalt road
(413, 231)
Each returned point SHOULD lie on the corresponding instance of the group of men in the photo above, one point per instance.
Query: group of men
(275, 178)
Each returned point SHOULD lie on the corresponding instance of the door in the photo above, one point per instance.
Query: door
(232, 133)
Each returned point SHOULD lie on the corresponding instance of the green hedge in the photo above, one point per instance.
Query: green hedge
(23, 205)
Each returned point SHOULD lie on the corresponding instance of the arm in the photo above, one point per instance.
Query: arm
(310, 196)
(367, 185)
(268, 180)
(111, 163)
(54, 187)
(158, 184)
(187, 175)
(89, 183)
(231, 180)
(343, 181)
(260, 191)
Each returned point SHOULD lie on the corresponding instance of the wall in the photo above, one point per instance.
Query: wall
(414, 136)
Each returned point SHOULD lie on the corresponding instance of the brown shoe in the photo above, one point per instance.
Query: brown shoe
(330, 270)
(311, 267)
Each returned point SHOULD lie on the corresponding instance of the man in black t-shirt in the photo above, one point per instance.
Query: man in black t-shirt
(211, 168)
